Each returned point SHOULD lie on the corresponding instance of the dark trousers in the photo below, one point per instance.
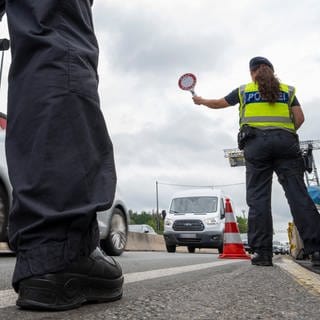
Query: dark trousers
(277, 151)
(59, 153)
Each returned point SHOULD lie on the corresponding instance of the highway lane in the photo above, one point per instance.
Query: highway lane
(160, 285)
(131, 262)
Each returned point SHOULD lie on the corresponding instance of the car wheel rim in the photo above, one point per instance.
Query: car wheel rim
(118, 232)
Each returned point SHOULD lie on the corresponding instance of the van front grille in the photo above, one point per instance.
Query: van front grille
(188, 240)
(188, 225)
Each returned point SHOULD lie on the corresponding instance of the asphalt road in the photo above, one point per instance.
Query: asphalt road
(184, 286)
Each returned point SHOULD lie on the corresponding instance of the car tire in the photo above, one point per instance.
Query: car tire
(220, 249)
(116, 241)
(171, 248)
(191, 249)
(4, 214)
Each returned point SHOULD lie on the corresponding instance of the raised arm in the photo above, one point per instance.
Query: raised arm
(211, 103)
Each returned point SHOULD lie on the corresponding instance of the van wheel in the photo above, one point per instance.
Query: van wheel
(191, 249)
(220, 249)
(171, 248)
(116, 240)
(4, 208)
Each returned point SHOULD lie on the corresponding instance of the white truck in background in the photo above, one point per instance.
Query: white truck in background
(196, 219)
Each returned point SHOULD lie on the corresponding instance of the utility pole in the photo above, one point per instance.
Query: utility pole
(157, 203)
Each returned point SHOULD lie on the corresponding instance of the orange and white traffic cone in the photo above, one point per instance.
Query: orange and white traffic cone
(232, 244)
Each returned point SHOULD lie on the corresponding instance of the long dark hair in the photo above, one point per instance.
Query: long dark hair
(268, 83)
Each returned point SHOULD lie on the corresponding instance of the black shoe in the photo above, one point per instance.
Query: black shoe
(97, 278)
(262, 259)
(315, 259)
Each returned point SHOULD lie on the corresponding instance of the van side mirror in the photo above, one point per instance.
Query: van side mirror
(222, 211)
(163, 213)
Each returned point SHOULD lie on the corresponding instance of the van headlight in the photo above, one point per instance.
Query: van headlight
(211, 221)
(168, 222)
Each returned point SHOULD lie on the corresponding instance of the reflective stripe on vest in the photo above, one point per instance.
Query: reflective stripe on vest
(256, 112)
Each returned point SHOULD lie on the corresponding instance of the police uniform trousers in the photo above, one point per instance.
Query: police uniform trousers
(59, 153)
(277, 151)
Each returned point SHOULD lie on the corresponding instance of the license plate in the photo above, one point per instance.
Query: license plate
(188, 235)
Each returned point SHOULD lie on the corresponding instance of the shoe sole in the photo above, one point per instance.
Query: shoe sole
(68, 291)
(262, 263)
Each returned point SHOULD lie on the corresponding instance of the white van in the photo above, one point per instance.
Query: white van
(195, 219)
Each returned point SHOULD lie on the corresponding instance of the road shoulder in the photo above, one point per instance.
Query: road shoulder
(303, 275)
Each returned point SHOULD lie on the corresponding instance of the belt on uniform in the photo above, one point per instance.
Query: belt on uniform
(270, 132)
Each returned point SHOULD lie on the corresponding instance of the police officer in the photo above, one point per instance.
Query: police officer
(270, 114)
(60, 157)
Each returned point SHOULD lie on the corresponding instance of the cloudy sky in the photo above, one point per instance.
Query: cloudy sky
(157, 131)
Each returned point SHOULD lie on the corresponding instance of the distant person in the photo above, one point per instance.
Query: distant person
(60, 157)
(270, 114)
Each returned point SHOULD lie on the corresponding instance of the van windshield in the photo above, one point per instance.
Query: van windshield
(194, 205)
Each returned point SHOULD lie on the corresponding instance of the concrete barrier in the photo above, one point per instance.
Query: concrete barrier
(136, 242)
(145, 242)
(4, 248)
(151, 242)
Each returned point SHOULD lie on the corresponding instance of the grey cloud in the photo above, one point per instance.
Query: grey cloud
(189, 138)
(186, 150)
(138, 42)
(310, 128)
(150, 48)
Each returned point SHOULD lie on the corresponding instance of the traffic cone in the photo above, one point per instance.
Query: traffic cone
(232, 244)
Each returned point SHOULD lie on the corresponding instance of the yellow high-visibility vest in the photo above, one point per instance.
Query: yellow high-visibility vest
(256, 112)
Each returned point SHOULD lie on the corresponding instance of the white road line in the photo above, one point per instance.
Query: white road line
(153, 274)
(8, 297)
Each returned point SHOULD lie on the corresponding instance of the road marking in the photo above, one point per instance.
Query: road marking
(8, 297)
(153, 274)
(306, 278)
